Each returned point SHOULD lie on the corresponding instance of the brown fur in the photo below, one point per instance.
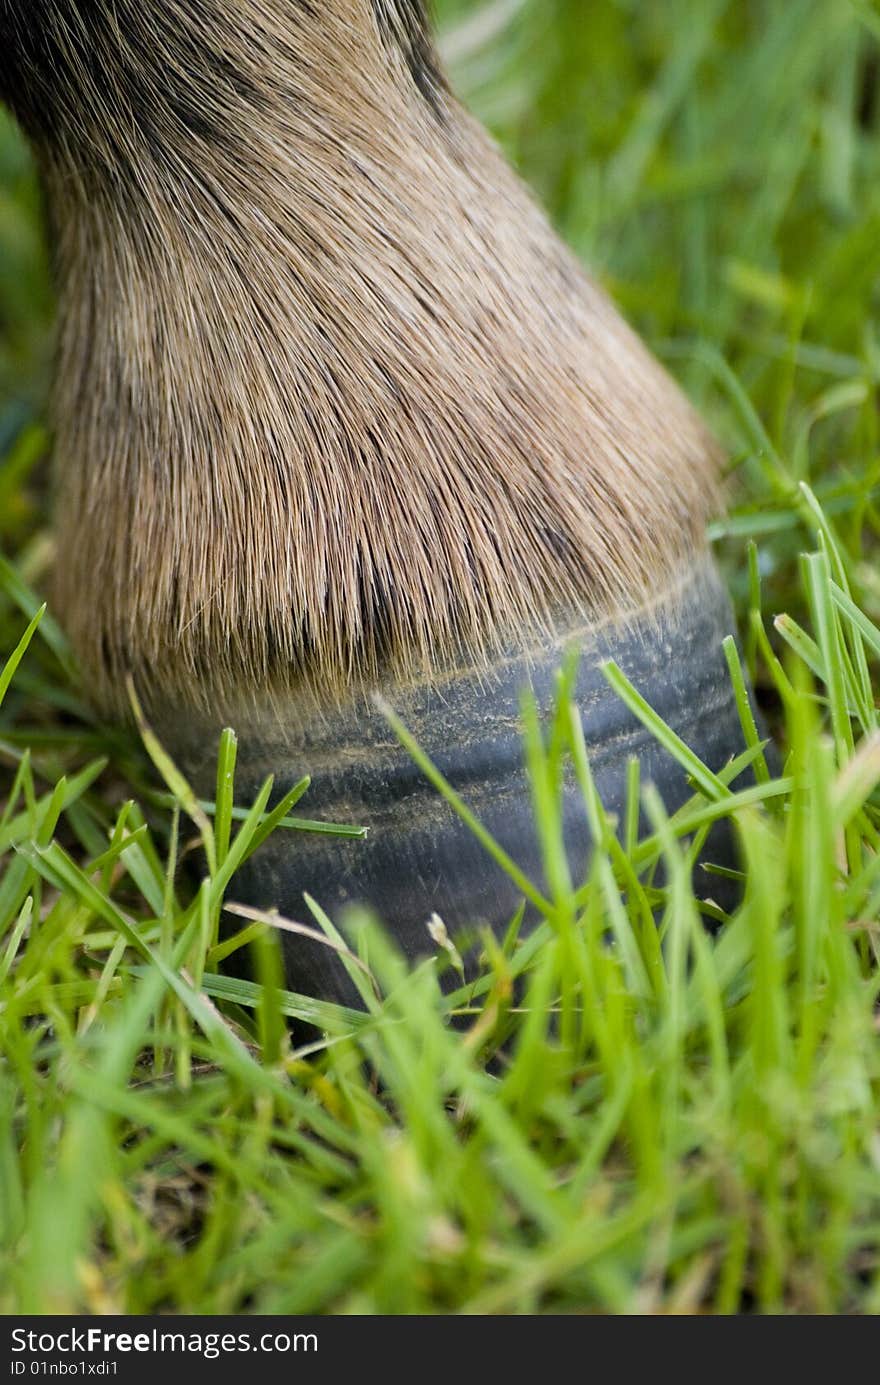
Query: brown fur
(331, 396)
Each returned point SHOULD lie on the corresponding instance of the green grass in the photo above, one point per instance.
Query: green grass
(624, 1118)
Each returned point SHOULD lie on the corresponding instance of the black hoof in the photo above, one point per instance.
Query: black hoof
(418, 857)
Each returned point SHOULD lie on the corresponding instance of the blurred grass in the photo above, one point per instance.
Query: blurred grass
(675, 1123)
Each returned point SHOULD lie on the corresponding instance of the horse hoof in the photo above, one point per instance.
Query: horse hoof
(418, 857)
